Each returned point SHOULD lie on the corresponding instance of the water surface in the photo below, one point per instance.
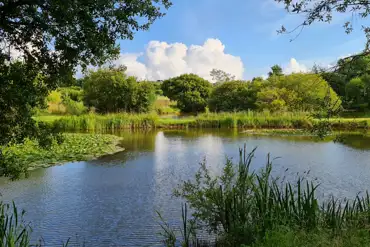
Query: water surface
(112, 201)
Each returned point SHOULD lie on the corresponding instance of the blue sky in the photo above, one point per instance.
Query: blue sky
(246, 29)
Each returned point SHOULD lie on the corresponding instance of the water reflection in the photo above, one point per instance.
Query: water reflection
(112, 201)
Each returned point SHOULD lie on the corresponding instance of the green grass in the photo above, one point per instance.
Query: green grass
(47, 118)
(242, 120)
(293, 238)
(20, 158)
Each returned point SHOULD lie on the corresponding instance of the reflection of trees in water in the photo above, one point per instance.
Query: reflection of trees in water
(357, 141)
(137, 142)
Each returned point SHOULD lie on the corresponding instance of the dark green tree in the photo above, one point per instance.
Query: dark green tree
(276, 70)
(190, 91)
(51, 39)
(111, 90)
(233, 96)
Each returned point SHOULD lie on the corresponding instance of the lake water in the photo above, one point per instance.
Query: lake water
(112, 201)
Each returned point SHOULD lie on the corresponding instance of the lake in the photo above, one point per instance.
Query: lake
(112, 201)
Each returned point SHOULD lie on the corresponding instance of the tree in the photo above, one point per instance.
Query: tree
(51, 39)
(358, 93)
(276, 70)
(221, 76)
(110, 90)
(233, 96)
(189, 90)
(22, 89)
(343, 72)
(323, 10)
(303, 92)
(59, 35)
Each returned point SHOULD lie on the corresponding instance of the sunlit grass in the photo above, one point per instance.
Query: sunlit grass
(242, 120)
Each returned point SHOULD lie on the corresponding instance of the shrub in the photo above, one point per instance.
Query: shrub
(110, 90)
(233, 96)
(190, 91)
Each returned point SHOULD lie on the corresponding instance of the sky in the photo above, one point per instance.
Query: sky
(237, 36)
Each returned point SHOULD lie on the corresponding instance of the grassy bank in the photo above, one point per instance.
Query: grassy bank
(76, 147)
(242, 207)
(243, 120)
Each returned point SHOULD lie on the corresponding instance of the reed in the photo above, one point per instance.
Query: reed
(241, 120)
(242, 206)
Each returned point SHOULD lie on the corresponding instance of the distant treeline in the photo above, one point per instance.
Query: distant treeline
(111, 90)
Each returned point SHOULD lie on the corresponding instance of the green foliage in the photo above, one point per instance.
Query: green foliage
(22, 89)
(346, 70)
(158, 88)
(19, 158)
(74, 107)
(145, 97)
(190, 91)
(110, 90)
(74, 93)
(106, 122)
(53, 38)
(324, 10)
(188, 230)
(285, 237)
(298, 92)
(54, 97)
(14, 231)
(242, 120)
(276, 70)
(242, 206)
(234, 96)
(69, 33)
(358, 93)
(220, 76)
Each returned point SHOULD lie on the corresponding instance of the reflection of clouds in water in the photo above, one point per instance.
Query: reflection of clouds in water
(168, 151)
(160, 150)
(212, 148)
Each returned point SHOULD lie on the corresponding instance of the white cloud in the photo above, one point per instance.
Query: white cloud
(294, 67)
(162, 60)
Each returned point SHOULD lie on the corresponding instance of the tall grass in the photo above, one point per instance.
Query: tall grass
(242, 206)
(14, 231)
(208, 120)
(107, 122)
(242, 120)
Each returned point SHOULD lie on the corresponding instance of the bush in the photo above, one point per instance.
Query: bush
(54, 97)
(190, 91)
(110, 90)
(242, 206)
(297, 92)
(74, 107)
(74, 93)
(233, 96)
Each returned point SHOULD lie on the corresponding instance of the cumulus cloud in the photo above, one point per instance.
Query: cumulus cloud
(162, 60)
(294, 67)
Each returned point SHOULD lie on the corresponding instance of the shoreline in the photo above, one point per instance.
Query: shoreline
(90, 157)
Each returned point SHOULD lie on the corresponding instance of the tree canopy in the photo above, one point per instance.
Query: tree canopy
(302, 92)
(276, 70)
(323, 11)
(189, 90)
(110, 90)
(42, 42)
(221, 76)
(234, 96)
(56, 36)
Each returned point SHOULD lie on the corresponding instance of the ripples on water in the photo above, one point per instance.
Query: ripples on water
(112, 201)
